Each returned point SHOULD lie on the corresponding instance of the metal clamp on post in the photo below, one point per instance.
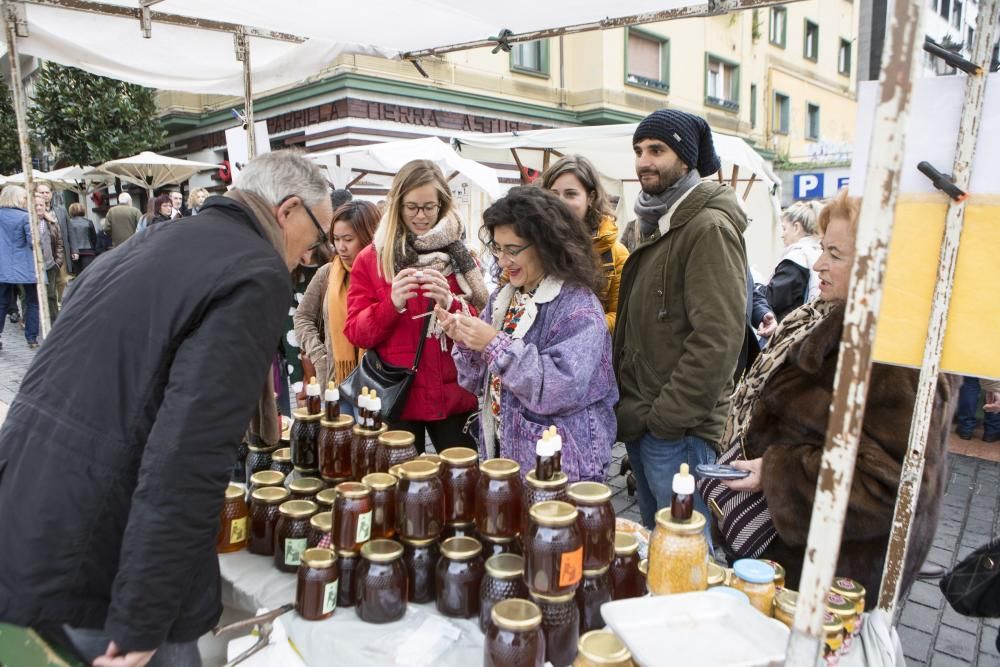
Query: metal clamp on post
(503, 41)
(952, 58)
(942, 182)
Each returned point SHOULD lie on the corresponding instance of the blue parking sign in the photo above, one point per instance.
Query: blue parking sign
(807, 186)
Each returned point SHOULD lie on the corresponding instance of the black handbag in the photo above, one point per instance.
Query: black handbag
(391, 383)
(972, 588)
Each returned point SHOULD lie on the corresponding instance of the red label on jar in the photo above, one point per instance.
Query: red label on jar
(571, 568)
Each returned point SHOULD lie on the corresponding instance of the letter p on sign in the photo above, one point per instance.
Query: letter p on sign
(808, 186)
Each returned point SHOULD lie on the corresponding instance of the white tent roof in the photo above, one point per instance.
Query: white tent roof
(187, 58)
(152, 170)
(391, 156)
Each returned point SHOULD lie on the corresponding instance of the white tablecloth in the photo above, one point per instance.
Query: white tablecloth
(250, 582)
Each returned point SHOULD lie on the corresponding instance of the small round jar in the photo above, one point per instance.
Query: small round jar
(264, 505)
(846, 611)
(291, 533)
(600, 648)
(833, 637)
(320, 527)
(594, 590)
(596, 521)
(504, 580)
(333, 448)
(281, 460)
(326, 498)
(306, 488)
(514, 636)
(779, 572)
(258, 458)
(461, 530)
(421, 559)
(419, 501)
(756, 579)
(553, 550)
(348, 562)
(303, 438)
(561, 626)
(316, 589)
(380, 582)
(233, 533)
(498, 499)
(458, 577)
(626, 581)
(364, 443)
(505, 546)
(538, 491)
(460, 474)
(717, 574)
(394, 448)
(785, 602)
(352, 516)
(383, 486)
(678, 555)
(397, 471)
(852, 590)
(264, 478)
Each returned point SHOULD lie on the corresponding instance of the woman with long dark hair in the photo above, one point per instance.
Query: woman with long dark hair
(540, 353)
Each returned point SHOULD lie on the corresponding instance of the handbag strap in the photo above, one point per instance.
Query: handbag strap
(423, 337)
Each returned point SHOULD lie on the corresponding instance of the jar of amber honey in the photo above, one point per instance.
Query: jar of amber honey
(326, 498)
(383, 486)
(460, 474)
(264, 478)
(419, 501)
(316, 590)
(304, 436)
(281, 460)
(352, 516)
(348, 562)
(306, 488)
(380, 582)
(596, 521)
(421, 558)
(553, 549)
(233, 534)
(538, 491)
(394, 448)
(320, 527)
(600, 648)
(333, 448)
(458, 577)
(264, 505)
(678, 555)
(499, 497)
(514, 635)
(560, 625)
(291, 533)
(594, 590)
(756, 579)
(364, 444)
(461, 530)
(626, 581)
(258, 457)
(504, 580)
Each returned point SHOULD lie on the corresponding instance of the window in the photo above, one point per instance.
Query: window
(753, 105)
(812, 122)
(777, 30)
(810, 46)
(970, 38)
(780, 113)
(647, 60)
(722, 83)
(945, 9)
(844, 58)
(956, 15)
(530, 57)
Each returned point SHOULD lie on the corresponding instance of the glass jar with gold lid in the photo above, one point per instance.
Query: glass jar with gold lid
(716, 574)
(364, 444)
(303, 438)
(538, 491)
(460, 474)
(499, 498)
(352, 516)
(383, 486)
(601, 648)
(833, 636)
(419, 501)
(316, 589)
(626, 581)
(394, 448)
(594, 591)
(597, 522)
(458, 577)
(678, 555)
(281, 460)
(291, 533)
(514, 635)
(504, 580)
(380, 582)
(847, 612)
(779, 572)
(421, 559)
(333, 448)
(320, 528)
(561, 626)
(306, 488)
(264, 505)
(258, 457)
(326, 498)
(553, 549)
(756, 579)
(852, 590)
(233, 533)
(785, 602)
(263, 478)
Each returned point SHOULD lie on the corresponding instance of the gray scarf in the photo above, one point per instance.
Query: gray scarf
(650, 208)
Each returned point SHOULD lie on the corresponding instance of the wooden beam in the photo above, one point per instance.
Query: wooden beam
(520, 167)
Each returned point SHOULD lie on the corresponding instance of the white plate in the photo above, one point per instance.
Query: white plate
(695, 630)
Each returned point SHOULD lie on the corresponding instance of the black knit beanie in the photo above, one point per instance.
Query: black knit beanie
(688, 135)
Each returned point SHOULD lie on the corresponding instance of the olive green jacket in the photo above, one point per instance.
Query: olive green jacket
(681, 319)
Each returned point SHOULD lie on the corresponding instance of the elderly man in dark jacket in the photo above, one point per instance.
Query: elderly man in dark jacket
(116, 452)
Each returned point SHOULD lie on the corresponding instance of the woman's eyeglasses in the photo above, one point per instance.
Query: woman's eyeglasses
(428, 209)
(510, 251)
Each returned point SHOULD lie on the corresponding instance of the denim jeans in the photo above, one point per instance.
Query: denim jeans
(655, 462)
(8, 294)
(968, 404)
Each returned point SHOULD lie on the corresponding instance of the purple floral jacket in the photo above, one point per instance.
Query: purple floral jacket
(555, 369)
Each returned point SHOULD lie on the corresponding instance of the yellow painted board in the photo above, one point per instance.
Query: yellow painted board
(972, 338)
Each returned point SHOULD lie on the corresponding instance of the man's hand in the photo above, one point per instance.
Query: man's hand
(992, 403)
(113, 658)
(768, 325)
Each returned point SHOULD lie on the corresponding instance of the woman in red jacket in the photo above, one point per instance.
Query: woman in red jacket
(418, 260)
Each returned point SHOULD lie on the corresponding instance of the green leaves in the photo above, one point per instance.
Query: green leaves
(10, 150)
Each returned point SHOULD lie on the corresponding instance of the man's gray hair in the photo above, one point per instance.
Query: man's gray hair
(280, 174)
(13, 196)
(124, 199)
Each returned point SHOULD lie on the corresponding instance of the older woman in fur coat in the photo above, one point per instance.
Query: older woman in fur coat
(780, 415)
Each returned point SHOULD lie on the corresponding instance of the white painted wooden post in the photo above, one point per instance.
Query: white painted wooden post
(900, 61)
(243, 55)
(913, 465)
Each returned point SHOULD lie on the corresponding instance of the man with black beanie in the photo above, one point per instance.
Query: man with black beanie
(682, 307)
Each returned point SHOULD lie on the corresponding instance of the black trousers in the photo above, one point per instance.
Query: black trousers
(444, 433)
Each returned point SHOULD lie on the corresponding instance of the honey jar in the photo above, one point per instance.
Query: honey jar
(291, 533)
(458, 577)
(498, 499)
(258, 457)
(364, 444)
(514, 637)
(421, 558)
(833, 637)
(233, 533)
(678, 555)
(785, 602)
(600, 648)
(316, 589)
(394, 448)
(459, 474)
(851, 590)
(626, 580)
(756, 579)
(306, 488)
(383, 486)
(462, 530)
(333, 448)
(504, 580)
(511, 545)
(325, 499)
(846, 611)
(263, 478)
(419, 501)
(553, 549)
(560, 625)
(380, 582)
(320, 527)
(281, 460)
(304, 436)
(352, 516)
(594, 590)
(348, 562)
(717, 574)
(264, 505)
(596, 521)
(537, 491)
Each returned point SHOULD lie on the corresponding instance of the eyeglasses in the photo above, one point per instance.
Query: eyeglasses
(511, 252)
(322, 239)
(428, 209)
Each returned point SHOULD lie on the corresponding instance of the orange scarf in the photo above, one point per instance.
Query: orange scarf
(345, 355)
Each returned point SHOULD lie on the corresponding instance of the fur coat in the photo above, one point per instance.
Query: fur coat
(788, 429)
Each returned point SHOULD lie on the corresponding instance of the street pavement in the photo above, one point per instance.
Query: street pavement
(932, 634)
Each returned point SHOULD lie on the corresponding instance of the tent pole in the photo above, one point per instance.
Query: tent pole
(243, 55)
(11, 15)
(913, 465)
(900, 62)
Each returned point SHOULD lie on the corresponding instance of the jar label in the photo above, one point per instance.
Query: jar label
(571, 568)
(238, 531)
(330, 597)
(294, 546)
(364, 527)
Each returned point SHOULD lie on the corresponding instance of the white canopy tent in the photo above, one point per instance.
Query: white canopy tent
(609, 147)
(151, 170)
